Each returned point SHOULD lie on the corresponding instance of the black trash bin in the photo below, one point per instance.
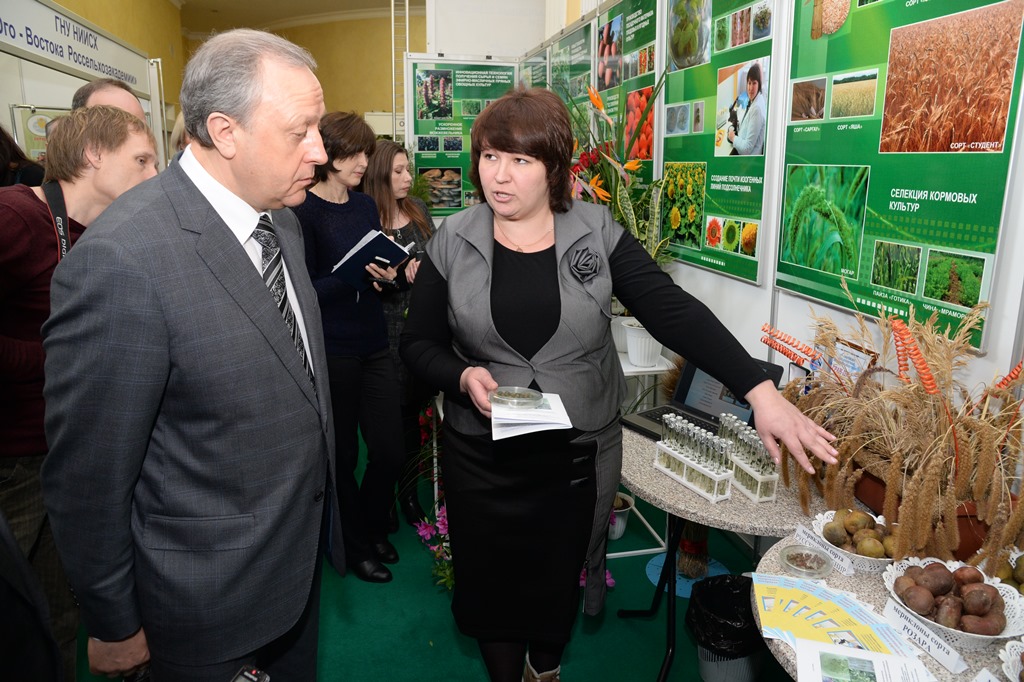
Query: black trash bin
(729, 643)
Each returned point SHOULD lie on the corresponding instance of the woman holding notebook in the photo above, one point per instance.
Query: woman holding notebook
(364, 385)
(517, 292)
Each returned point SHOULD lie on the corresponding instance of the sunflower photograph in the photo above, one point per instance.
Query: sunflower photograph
(683, 201)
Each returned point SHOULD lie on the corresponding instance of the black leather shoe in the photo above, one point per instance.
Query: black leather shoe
(411, 509)
(385, 551)
(372, 571)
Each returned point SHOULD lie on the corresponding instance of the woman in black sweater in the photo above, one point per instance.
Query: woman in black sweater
(364, 385)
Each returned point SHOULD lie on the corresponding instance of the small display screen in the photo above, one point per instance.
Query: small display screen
(708, 396)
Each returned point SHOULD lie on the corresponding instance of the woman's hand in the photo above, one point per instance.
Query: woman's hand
(777, 418)
(477, 382)
(410, 270)
(383, 273)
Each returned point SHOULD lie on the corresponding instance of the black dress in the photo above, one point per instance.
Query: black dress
(519, 510)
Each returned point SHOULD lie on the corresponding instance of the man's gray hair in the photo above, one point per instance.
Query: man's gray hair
(225, 75)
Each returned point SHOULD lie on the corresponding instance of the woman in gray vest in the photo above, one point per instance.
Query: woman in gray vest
(517, 292)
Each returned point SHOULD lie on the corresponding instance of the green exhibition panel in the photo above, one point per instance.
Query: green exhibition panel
(533, 70)
(899, 130)
(713, 200)
(447, 95)
(625, 75)
(572, 64)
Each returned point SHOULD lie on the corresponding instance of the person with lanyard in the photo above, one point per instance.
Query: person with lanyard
(94, 155)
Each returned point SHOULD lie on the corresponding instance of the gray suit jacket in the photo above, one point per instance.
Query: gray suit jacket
(189, 454)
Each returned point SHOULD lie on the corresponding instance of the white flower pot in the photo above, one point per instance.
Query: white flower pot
(642, 348)
(619, 333)
(618, 528)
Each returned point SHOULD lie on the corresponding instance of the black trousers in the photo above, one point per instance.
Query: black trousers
(365, 397)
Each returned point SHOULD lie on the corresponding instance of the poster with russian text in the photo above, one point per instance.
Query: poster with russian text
(533, 71)
(900, 123)
(717, 94)
(625, 76)
(571, 69)
(447, 97)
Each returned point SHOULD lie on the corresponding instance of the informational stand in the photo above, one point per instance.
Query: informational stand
(714, 189)
(900, 127)
(625, 75)
(29, 126)
(533, 71)
(445, 95)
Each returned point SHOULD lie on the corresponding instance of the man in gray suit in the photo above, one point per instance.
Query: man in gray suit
(191, 445)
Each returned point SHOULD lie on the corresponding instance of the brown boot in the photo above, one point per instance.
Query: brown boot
(531, 675)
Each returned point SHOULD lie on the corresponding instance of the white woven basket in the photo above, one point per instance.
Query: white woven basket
(861, 564)
(1010, 656)
(964, 641)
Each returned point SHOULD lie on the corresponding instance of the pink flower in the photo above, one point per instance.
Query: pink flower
(583, 577)
(442, 524)
(425, 529)
(608, 579)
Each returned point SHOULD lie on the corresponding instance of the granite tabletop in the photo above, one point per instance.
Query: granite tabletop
(870, 589)
(738, 513)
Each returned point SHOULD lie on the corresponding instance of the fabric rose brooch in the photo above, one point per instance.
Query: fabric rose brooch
(585, 264)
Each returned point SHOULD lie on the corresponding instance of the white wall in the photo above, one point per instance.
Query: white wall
(485, 27)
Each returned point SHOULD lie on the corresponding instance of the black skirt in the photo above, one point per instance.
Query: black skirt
(520, 514)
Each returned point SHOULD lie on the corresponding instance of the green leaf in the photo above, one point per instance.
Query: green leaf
(625, 207)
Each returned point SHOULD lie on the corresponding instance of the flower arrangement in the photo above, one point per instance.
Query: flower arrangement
(435, 536)
(601, 175)
(907, 420)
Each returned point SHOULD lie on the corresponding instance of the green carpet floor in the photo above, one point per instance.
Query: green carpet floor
(403, 630)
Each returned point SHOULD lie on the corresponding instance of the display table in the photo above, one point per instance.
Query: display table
(739, 514)
(871, 590)
(646, 378)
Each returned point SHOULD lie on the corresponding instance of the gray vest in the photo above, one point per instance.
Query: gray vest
(579, 361)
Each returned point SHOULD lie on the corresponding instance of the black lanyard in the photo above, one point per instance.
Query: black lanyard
(59, 215)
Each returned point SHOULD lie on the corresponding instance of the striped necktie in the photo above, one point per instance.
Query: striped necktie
(273, 277)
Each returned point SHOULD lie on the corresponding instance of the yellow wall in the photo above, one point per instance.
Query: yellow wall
(572, 11)
(152, 26)
(354, 56)
(354, 59)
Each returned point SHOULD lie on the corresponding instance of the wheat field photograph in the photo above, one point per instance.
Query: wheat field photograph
(950, 81)
(853, 94)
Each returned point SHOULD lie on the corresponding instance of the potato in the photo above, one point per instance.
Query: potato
(918, 599)
(901, 584)
(936, 581)
(968, 574)
(867, 533)
(992, 624)
(835, 533)
(949, 611)
(980, 598)
(913, 572)
(977, 603)
(856, 520)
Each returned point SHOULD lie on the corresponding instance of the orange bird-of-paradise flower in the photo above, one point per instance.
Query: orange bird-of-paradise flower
(595, 98)
(601, 193)
(632, 165)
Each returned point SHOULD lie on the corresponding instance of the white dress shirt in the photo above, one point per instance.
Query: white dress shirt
(241, 219)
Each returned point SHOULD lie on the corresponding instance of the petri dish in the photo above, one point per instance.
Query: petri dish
(516, 396)
(805, 562)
